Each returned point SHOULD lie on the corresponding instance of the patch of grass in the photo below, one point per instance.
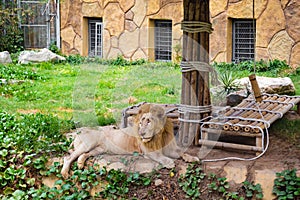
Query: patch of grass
(273, 68)
(156, 83)
(295, 76)
(90, 94)
(287, 129)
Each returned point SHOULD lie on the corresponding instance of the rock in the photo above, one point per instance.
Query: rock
(5, 57)
(43, 55)
(158, 182)
(235, 98)
(144, 166)
(11, 82)
(236, 171)
(271, 85)
(116, 166)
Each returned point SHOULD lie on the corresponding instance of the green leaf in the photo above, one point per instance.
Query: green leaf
(190, 192)
(58, 182)
(18, 195)
(147, 181)
(3, 164)
(30, 181)
(3, 152)
(249, 193)
(290, 196)
(259, 196)
(8, 191)
(66, 186)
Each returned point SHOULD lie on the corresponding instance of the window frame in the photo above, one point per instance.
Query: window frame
(163, 48)
(93, 41)
(243, 40)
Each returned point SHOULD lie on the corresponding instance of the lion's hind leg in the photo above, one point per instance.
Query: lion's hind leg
(94, 152)
(68, 160)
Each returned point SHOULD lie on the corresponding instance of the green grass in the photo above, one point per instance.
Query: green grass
(95, 94)
(296, 80)
(52, 94)
(90, 94)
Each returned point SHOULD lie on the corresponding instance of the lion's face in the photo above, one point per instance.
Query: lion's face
(150, 124)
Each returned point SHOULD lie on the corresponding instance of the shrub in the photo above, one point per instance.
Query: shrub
(26, 143)
(272, 66)
(11, 36)
(287, 185)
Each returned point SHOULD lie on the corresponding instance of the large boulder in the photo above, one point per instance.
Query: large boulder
(5, 57)
(43, 55)
(271, 85)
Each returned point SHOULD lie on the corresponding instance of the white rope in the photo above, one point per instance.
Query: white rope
(257, 110)
(247, 159)
(279, 102)
(195, 66)
(183, 109)
(189, 66)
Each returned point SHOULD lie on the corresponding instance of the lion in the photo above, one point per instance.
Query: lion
(151, 135)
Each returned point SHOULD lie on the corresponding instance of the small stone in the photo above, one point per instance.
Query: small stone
(5, 57)
(158, 182)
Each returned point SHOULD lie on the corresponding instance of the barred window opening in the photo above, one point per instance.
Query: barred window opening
(163, 40)
(243, 40)
(95, 38)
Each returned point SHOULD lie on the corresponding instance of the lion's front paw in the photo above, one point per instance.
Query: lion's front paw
(64, 174)
(189, 158)
(65, 169)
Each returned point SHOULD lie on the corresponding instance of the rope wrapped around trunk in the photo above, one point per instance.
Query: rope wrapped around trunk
(187, 109)
(200, 67)
(196, 26)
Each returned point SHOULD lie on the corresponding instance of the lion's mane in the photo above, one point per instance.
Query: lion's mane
(165, 137)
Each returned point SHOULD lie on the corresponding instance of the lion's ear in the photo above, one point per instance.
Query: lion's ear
(145, 108)
(158, 111)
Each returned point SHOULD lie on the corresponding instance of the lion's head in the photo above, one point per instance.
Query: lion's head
(153, 125)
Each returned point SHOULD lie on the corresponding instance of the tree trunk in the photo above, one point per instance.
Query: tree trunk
(195, 84)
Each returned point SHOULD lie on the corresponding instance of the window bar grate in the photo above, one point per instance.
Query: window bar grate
(243, 40)
(163, 40)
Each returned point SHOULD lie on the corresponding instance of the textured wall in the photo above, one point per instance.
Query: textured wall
(277, 26)
(126, 25)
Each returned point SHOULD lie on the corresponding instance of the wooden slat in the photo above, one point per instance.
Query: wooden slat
(234, 133)
(230, 145)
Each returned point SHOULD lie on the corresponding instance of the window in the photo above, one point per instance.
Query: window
(36, 25)
(243, 40)
(95, 38)
(163, 40)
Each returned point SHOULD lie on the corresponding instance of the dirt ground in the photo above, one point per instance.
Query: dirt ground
(279, 156)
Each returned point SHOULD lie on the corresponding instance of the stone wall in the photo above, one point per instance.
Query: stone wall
(277, 28)
(127, 25)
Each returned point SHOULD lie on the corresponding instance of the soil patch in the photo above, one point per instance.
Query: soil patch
(279, 156)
